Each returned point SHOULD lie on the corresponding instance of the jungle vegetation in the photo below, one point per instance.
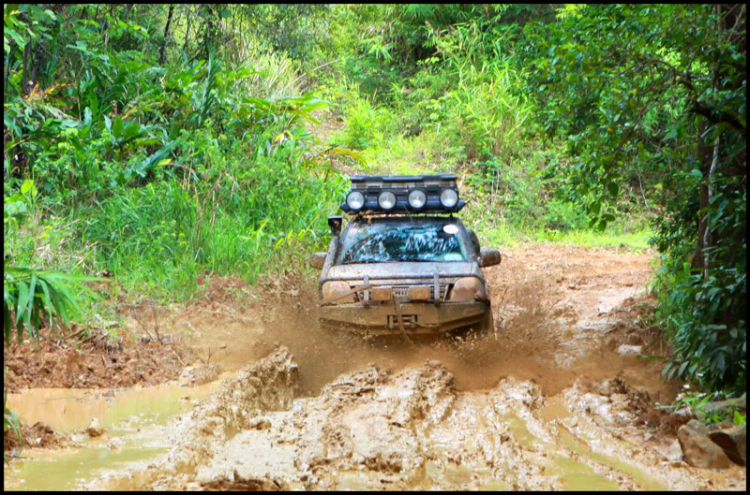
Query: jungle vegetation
(155, 143)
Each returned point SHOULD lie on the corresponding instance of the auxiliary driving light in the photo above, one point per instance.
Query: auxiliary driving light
(381, 293)
(402, 194)
(417, 199)
(448, 198)
(419, 293)
(387, 200)
(355, 200)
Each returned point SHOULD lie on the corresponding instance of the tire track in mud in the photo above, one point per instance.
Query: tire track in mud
(544, 402)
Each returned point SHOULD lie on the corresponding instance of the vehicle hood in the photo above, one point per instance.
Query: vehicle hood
(404, 269)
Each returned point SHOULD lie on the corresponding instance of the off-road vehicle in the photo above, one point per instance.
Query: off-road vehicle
(404, 263)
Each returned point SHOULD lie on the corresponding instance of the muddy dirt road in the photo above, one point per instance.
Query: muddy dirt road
(554, 398)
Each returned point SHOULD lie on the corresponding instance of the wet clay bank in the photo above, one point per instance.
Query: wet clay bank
(554, 398)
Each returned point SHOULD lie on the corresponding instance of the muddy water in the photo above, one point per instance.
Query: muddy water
(133, 419)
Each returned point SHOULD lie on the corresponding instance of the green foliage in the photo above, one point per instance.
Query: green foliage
(739, 418)
(711, 342)
(658, 92)
(165, 171)
(10, 421)
(697, 402)
(367, 126)
(29, 295)
(625, 71)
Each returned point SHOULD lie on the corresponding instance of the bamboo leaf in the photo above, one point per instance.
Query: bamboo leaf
(23, 299)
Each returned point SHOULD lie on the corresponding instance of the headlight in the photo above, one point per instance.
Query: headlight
(355, 200)
(448, 198)
(334, 288)
(468, 289)
(387, 200)
(417, 199)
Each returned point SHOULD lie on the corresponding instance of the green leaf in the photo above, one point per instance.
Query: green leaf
(613, 189)
(150, 162)
(47, 302)
(118, 128)
(23, 299)
(681, 369)
(132, 130)
(32, 292)
(739, 419)
(7, 304)
(16, 37)
(27, 186)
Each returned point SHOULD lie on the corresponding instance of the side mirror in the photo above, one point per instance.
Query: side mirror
(490, 257)
(474, 240)
(317, 260)
(335, 224)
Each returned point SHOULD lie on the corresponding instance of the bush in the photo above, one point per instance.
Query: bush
(704, 312)
(367, 126)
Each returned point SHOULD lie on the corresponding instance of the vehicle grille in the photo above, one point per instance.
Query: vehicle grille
(402, 292)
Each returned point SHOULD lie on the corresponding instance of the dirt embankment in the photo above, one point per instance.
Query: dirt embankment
(554, 398)
(39, 436)
(93, 363)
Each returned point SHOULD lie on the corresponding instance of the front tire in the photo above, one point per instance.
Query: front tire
(487, 324)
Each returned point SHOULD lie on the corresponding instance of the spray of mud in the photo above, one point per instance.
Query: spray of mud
(522, 344)
(547, 306)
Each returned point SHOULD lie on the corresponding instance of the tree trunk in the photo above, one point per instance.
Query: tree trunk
(209, 32)
(705, 154)
(707, 233)
(187, 30)
(163, 54)
(25, 76)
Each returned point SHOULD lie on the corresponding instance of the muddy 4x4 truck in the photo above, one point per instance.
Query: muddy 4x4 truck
(404, 264)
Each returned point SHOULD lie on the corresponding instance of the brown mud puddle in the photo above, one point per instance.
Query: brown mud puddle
(134, 422)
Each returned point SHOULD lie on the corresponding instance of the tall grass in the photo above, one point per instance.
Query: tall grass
(162, 236)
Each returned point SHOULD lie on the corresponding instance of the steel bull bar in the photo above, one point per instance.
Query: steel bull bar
(446, 315)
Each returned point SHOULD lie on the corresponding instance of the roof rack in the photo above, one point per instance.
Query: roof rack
(403, 194)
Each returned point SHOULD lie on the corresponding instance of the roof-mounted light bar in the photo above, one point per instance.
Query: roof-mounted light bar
(403, 194)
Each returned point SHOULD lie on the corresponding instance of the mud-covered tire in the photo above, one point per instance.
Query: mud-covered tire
(487, 324)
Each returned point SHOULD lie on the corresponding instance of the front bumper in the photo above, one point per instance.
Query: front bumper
(418, 318)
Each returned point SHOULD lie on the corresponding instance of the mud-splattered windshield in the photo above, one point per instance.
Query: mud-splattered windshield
(381, 242)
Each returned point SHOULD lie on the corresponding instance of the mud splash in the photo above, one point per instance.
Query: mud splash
(410, 429)
(555, 312)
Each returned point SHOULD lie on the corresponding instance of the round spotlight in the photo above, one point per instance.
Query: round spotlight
(448, 198)
(417, 199)
(387, 200)
(355, 200)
